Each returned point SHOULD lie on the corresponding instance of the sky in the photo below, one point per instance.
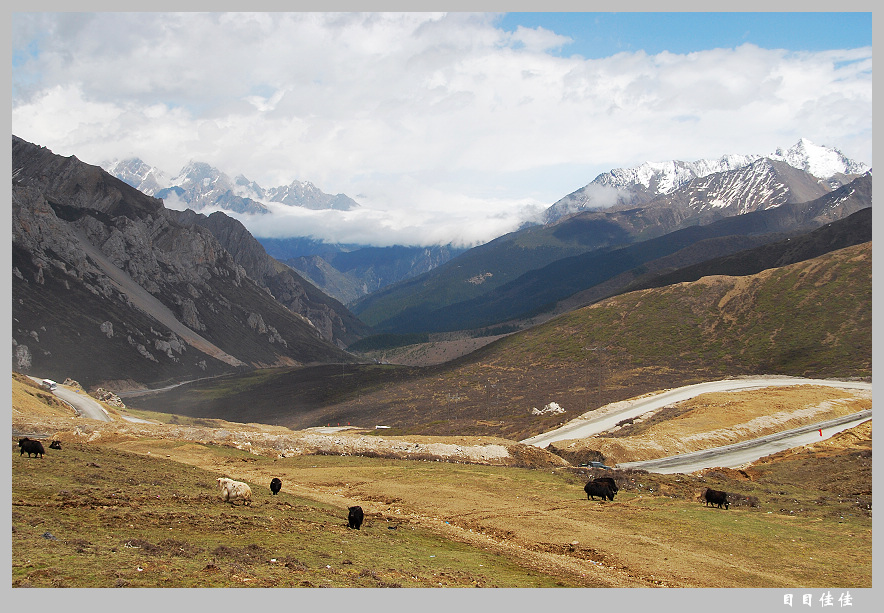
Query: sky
(444, 127)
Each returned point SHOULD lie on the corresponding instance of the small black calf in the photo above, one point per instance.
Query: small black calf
(275, 485)
(55, 445)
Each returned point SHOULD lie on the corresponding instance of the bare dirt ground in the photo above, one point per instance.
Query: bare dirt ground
(653, 534)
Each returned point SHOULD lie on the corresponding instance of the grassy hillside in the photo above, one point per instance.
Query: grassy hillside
(808, 319)
(135, 505)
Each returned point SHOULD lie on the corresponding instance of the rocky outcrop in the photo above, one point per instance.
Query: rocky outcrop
(108, 397)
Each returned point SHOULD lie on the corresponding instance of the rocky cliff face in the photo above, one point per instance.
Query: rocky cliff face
(110, 286)
(334, 322)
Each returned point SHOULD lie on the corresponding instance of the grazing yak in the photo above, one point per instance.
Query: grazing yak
(609, 480)
(31, 446)
(55, 445)
(232, 491)
(715, 497)
(600, 487)
(354, 519)
(275, 485)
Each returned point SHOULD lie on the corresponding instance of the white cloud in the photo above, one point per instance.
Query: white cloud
(464, 222)
(430, 118)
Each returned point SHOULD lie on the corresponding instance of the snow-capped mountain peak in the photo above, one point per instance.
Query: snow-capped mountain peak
(653, 179)
(138, 174)
(200, 185)
(821, 162)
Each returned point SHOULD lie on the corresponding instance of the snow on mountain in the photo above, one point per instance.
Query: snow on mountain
(133, 171)
(199, 186)
(640, 184)
(309, 196)
(666, 177)
(822, 162)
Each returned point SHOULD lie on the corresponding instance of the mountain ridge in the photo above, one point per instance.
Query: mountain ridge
(199, 186)
(639, 184)
(411, 306)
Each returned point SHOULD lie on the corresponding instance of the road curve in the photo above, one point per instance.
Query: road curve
(86, 406)
(604, 418)
(83, 405)
(737, 454)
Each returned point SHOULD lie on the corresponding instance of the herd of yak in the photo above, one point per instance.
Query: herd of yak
(231, 491)
(606, 487)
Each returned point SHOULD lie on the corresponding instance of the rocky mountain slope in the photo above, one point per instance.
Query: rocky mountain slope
(108, 285)
(334, 322)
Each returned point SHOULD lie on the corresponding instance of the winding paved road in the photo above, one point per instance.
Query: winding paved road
(732, 456)
(84, 405)
(607, 417)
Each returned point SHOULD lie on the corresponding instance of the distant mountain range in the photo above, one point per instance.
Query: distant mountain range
(729, 186)
(199, 186)
(110, 286)
(345, 272)
(641, 184)
(529, 271)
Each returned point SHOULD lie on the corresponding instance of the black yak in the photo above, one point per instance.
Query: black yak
(609, 480)
(716, 497)
(31, 446)
(55, 445)
(354, 519)
(601, 489)
(275, 485)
